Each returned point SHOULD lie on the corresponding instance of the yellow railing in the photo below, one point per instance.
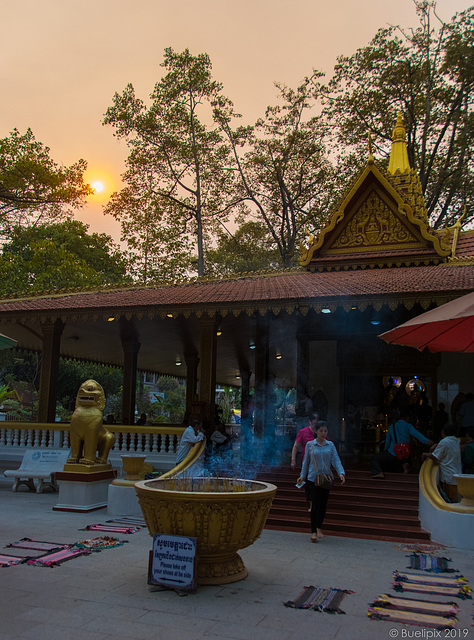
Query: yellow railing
(193, 456)
(429, 488)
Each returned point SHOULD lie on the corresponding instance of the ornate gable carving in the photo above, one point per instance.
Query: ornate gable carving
(373, 226)
(382, 220)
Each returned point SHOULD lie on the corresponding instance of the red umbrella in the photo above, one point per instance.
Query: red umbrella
(446, 328)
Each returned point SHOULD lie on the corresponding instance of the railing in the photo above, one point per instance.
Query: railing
(193, 460)
(158, 443)
(429, 489)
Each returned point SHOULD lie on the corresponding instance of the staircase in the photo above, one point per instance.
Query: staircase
(361, 508)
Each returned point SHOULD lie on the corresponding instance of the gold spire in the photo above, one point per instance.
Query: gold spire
(399, 155)
(371, 155)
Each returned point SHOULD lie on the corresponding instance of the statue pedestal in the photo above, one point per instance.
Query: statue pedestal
(83, 491)
(123, 501)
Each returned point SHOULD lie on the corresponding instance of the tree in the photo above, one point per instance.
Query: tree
(33, 188)
(249, 248)
(176, 166)
(59, 256)
(427, 73)
(285, 175)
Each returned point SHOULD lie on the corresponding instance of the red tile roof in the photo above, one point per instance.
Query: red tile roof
(397, 282)
(465, 244)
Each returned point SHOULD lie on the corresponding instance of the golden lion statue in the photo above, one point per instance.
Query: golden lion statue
(91, 442)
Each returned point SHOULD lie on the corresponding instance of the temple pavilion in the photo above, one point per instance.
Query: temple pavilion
(375, 264)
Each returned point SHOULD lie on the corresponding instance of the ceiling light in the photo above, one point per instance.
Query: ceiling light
(278, 356)
(219, 331)
(325, 310)
(169, 315)
(111, 319)
(178, 362)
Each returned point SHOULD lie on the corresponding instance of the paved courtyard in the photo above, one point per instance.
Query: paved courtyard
(105, 596)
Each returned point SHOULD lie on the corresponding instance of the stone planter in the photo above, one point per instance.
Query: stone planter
(223, 514)
(465, 484)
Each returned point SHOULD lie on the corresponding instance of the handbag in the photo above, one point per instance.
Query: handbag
(322, 480)
(402, 450)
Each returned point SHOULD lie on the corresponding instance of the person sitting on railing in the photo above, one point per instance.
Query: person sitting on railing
(191, 435)
(447, 453)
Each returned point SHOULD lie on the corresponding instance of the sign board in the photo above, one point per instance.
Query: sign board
(173, 562)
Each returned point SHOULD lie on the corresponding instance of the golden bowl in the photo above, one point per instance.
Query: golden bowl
(223, 514)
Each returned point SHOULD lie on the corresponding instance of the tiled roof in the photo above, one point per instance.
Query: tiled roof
(397, 282)
(465, 245)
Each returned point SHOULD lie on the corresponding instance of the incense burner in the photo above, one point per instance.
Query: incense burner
(223, 514)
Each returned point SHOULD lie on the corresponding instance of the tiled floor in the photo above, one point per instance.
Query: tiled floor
(105, 596)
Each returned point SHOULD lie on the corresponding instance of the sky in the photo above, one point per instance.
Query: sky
(62, 61)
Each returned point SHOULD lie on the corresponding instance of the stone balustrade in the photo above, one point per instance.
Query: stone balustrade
(158, 443)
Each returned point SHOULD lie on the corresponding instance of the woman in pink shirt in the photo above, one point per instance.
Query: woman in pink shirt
(305, 435)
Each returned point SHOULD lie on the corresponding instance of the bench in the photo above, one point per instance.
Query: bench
(39, 464)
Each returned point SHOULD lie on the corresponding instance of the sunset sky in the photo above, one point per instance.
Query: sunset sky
(61, 61)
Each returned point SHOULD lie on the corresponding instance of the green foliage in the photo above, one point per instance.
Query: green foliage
(285, 176)
(72, 373)
(250, 248)
(167, 408)
(229, 398)
(59, 256)
(427, 73)
(177, 185)
(33, 187)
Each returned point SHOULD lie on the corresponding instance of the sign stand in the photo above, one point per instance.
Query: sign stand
(173, 562)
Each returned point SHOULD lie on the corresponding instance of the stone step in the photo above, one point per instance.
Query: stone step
(379, 509)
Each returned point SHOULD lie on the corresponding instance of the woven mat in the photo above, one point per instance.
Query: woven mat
(139, 522)
(411, 617)
(10, 561)
(424, 562)
(55, 559)
(110, 528)
(454, 586)
(433, 607)
(319, 599)
(37, 545)
(99, 543)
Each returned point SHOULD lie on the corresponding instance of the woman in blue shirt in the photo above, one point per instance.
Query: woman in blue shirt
(319, 455)
(400, 432)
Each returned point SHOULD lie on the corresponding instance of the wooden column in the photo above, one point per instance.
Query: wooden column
(207, 367)
(49, 370)
(262, 399)
(131, 347)
(192, 361)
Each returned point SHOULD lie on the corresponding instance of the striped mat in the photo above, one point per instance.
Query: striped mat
(139, 522)
(10, 561)
(406, 616)
(454, 586)
(319, 599)
(55, 559)
(424, 562)
(110, 528)
(37, 545)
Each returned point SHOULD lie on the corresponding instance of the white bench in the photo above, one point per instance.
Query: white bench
(41, 464)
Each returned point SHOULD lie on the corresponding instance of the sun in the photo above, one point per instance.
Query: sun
(102, 182)
(98, 186)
